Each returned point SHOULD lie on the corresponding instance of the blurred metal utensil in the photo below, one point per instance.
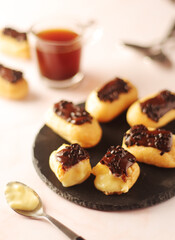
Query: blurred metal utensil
(155, 51)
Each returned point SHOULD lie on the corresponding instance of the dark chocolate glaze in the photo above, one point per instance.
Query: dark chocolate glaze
(139, 135)
(9, 74)
(19, 36)
(118, 160)
(111, 90)
(71, 155)
(71, 113)
(156, 107)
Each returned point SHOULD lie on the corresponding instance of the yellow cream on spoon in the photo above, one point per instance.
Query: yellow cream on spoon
(21, 197)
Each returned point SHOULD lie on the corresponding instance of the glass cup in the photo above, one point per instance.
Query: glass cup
(58, 49)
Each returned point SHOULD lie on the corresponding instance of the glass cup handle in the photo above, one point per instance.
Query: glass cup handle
(91, 31)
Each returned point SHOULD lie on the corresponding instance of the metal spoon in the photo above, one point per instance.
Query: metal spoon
(38, 213)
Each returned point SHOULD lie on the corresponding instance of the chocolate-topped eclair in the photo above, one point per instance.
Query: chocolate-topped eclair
(153, 111)
(71, 164)
(118, 160)
(12, 83)
(10, 75)
(140, 135)
(72, 113)
(111, 99)
(10, 32)
(111, 90)
(14, 43)
(116, 172)
(74, 124)
(159, 105)
(150, 145)
(71, 155)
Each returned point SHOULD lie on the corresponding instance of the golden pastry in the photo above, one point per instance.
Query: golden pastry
(71, 164)
(112, 99)
(116, 172)
(14, 43)
(12, 83)
(74, 124)
(153, 111)
(151, 146)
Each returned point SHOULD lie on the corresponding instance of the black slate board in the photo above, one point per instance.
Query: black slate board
(153, 186)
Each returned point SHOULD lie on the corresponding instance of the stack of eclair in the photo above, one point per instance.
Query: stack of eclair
(12, 83)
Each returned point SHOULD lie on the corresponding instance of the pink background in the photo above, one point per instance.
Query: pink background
(135, 20)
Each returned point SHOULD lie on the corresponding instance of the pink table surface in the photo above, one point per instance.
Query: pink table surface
(134, 20)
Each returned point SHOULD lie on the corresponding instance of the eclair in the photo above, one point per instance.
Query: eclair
(110, 100)
(116, 172)
(14, 43)
(74, 124)
(153, 111)
(12, 83)
(71, 164)
(151, 146)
